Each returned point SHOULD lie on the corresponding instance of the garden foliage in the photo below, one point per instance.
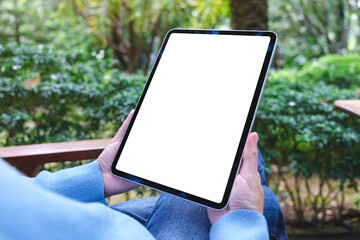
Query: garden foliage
(299, 125)
(49, 95)
(304, 136)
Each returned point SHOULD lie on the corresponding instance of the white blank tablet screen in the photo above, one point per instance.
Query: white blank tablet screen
(189, 125)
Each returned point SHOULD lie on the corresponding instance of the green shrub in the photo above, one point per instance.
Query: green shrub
(79, 96)
(304, 136)
(300, 128)
(342, 71)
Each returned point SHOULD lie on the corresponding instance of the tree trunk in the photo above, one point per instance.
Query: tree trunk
(17, 24)
(249, 14)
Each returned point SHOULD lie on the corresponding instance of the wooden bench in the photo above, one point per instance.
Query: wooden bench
(28, 158)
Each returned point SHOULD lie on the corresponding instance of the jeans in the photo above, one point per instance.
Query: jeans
(170, 217)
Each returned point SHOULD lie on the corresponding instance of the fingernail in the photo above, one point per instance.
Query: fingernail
(254, 139)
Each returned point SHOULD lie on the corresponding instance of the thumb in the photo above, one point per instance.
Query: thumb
(249, 165)
(121, 132)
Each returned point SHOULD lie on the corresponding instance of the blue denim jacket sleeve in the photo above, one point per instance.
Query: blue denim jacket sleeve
(240, 224)
(83, 183)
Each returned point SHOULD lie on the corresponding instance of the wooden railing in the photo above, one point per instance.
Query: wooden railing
(28, 158)
(351, 107)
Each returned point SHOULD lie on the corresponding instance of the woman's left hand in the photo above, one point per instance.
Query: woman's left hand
(114, 185)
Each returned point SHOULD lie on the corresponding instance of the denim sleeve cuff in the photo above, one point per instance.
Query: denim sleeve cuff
(240, 224)
(83, 183)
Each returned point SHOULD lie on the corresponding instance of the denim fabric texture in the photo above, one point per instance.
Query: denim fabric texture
(167, 214)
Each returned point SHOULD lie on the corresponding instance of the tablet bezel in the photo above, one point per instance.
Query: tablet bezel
(247, 128)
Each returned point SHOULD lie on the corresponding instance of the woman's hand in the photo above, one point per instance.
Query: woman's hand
(114, 185)
(247, 192)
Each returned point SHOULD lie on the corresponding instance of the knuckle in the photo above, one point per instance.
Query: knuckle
(253, 154)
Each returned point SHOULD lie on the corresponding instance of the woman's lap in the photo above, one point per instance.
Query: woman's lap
(167, 215)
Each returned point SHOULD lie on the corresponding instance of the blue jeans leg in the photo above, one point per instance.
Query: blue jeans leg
(274, 216)
(272, 211)
(175, 218)
(261, 168)
(170, 217)
(139, 209)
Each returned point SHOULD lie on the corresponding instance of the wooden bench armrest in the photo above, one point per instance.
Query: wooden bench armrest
(351, 107)
(27, 157)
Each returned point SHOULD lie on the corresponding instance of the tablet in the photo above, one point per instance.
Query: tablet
(190, 125)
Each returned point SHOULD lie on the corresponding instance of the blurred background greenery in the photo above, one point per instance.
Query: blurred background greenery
(72, 70)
